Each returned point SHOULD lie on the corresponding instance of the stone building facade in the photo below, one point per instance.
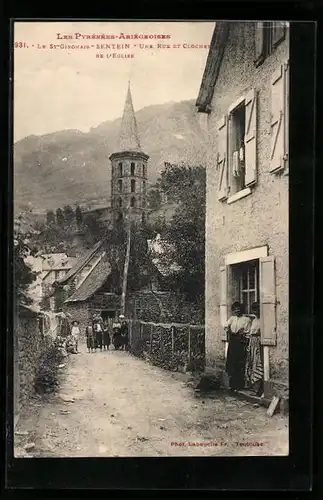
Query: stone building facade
(244, 98)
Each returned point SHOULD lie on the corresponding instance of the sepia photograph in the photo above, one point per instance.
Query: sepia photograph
(151, 239)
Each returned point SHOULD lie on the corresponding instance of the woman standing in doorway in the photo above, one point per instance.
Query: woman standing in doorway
(254, 359)
(237, 327)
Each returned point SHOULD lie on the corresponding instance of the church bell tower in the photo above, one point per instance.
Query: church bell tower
(129, 170)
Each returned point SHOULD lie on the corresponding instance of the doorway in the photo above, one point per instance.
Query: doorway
(245, 288)
(108, 314)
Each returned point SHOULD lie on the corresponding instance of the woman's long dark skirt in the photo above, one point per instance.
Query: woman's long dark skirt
(236, 360)
(117, 341)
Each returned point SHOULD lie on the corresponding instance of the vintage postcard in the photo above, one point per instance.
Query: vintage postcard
(151, 236)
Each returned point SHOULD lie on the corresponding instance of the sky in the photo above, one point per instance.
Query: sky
(58, 89)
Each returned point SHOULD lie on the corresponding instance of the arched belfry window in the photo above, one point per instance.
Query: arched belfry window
(119, 185)
(144, 186)
(143, 203)
(133, 185)
(119, 217)
(143, 170)
(133, 202)
(120, 169)
(119, 202)
(132, 167)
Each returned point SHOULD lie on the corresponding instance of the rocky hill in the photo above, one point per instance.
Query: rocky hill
(70, 166)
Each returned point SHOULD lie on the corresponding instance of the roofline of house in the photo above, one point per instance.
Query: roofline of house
(69, 300)
(212, 66)
(64, 279)
(63, 268)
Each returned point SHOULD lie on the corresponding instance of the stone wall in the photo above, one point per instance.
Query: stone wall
(78, 311)
(30, 345)
(105, 301)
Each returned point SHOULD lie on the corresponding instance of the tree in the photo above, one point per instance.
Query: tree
(184, 234)
(69, 215)
(94, 228)
(23, 275)
(154, 199)
(50, 217)
(138, 258)
(60, 217)
(78, 215)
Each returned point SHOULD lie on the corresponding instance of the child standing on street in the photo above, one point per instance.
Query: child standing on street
(89, 337)
(75, 332)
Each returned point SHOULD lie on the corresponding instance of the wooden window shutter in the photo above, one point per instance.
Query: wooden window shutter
(222, 159)
(278, 32)
(223, 300)
(277, 147)
(268, 302)
(260, 43)
(251, 138)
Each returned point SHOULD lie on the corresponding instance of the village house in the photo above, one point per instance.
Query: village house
(244, 101)
(57, 271)
(48, 268)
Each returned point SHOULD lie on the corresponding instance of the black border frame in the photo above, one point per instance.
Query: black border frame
(293, 473)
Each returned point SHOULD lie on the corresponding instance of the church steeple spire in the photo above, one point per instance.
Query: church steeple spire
(129, 138)
(129, 178)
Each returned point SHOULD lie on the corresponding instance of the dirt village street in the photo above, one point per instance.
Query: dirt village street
(112, 404)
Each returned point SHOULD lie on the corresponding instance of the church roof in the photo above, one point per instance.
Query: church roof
(93, 282)
(129, 137)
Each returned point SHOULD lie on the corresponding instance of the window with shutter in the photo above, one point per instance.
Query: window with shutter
(260, 43)
(236, 147)
(222, 159)
(245, 284)
(267, 36)
(223, 300)
(277, 149)
(278, 32)
(250, 141)
(267, 300)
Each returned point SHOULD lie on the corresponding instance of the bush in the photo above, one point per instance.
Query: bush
(46, 379)
(138, 348)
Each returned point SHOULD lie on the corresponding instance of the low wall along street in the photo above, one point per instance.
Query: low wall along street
(33, 338)
(172, 346)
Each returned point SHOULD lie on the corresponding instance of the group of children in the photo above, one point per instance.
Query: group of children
(99, 334)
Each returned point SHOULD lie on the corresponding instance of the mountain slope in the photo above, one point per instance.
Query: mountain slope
(73, 167)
